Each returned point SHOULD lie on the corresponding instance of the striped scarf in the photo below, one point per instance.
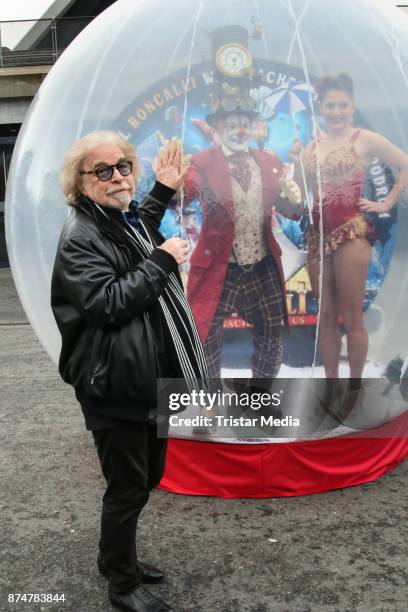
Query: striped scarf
(176, 312)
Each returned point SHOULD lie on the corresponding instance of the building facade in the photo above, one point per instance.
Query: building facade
(28, 49)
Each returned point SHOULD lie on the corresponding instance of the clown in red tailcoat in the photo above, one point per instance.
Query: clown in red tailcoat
(236, 264)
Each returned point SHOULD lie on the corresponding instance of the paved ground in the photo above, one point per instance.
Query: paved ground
(341, 551)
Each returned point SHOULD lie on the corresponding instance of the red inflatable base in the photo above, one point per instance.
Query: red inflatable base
(284, 469)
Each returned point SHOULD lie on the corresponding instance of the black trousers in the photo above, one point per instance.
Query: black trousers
(132, 460)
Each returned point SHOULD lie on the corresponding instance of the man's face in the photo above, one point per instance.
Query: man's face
(117, 192)
(236, 132)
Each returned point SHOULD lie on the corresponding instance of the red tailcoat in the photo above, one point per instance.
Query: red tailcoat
(209, 181)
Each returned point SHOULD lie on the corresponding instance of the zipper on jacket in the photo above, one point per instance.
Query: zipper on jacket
(156, 359)
(98, 365)
(119, 244)
(126, 248)
(154, 344)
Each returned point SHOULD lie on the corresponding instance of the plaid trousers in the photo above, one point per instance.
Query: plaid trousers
(255, 295)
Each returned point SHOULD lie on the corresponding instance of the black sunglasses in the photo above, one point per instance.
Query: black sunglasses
(104, 173)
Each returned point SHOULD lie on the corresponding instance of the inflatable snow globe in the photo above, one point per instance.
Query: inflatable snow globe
(294, 115)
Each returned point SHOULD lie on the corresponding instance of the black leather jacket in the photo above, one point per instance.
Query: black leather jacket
(104, 299)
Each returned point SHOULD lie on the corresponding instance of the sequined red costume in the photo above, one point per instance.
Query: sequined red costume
(342, 176)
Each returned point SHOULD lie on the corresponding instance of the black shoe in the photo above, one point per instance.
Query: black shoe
(138, 600)
(150, 574)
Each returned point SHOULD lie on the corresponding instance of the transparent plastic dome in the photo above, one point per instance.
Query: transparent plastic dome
(144, 69)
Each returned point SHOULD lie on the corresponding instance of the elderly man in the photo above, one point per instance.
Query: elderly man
(119, 305)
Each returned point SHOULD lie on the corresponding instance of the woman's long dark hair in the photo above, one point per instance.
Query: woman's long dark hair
(339, 82)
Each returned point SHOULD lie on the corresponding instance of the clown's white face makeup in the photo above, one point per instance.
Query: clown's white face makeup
(236, 132)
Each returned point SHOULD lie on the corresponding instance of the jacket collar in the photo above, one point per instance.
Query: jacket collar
(111, 223)
(88, 206)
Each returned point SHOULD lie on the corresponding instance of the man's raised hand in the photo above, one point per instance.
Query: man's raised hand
(171, 165)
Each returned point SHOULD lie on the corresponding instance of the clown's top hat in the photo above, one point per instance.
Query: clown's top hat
(233, 74)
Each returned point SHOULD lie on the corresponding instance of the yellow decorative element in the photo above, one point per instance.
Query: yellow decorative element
(299, 281)
(214, 103)
(339, 166)
(260, 131)
(357, 227)
(234, 60)
(230, 91)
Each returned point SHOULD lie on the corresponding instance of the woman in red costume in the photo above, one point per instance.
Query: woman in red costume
(336, 167)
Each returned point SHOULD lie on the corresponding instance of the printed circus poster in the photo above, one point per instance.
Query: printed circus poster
(178, 105)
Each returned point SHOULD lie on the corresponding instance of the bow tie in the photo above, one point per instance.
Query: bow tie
(240, 169)
(239, 155)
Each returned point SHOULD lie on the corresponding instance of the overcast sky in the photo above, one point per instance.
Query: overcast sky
(28, 9)
(23, 9)
(35, 9)
(12, 33)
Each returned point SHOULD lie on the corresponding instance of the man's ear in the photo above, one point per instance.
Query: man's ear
(80, 187)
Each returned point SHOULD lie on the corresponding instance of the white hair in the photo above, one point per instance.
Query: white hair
(70, 177)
